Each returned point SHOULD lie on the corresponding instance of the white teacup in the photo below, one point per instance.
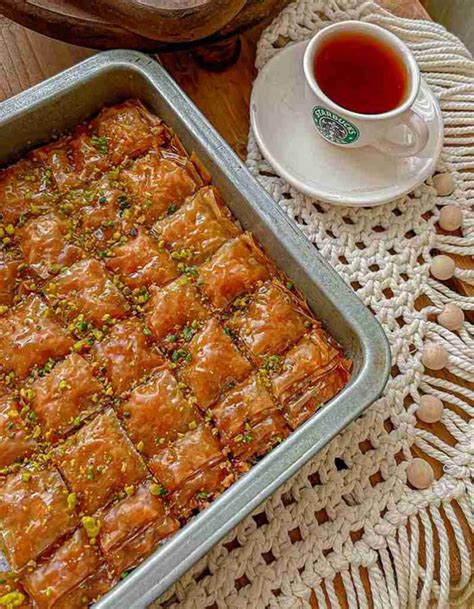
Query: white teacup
(349, 129)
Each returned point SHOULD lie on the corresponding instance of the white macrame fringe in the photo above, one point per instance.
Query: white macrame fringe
(397, 579)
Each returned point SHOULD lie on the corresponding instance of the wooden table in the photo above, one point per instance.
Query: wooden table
(27, 58)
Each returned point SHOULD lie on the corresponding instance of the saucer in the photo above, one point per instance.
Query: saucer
(280, 113)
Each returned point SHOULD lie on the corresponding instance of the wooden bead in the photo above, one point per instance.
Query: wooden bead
(450, 218)
(420, 473)
(442, 267)
(444, 184)
(430, 409)
(451, 317)
(434, 356)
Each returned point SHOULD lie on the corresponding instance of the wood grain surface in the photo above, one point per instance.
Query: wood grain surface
(27, 58)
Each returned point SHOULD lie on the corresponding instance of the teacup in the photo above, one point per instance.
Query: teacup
(397, 131)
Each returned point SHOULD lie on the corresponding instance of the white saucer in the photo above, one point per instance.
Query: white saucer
(280, 113)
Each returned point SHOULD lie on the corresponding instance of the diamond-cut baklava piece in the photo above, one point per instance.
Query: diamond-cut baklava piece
(238, 267)
(198, 228)
(171, 308)
(24, 187)
(155, 183)
(29, 336)
(247, 401)
(66, 395)
(16, 440)
(312, 372)
(140, 262)
(80, 158)
(156, 413)
(132, 527)
(46, 244)
(87, 288)
(35, 512)
(58, 160)
(323, 389)
(100, 213)
(73, 563)
(248, 419)
(127, 354)
(212, 364)
(258, 438)
(131, 553)
(98, 461)
(272, 321)
(192, 470)
(127, 130)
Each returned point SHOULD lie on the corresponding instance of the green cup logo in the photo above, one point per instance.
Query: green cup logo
(333, 127)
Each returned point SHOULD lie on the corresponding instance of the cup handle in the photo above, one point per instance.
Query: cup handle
(419, 132)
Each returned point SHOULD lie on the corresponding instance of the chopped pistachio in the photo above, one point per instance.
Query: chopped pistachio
(63, 385)
(91, 525)
(158, 490)
(97, 334)
(230, 333)
(10, 600)
(71, 501)
(179, 354)
(272, 362)
(182, 254)
(188, 333)
(100, 143)
(78, 345)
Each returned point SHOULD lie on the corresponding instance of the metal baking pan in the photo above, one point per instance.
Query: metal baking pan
(58, 104)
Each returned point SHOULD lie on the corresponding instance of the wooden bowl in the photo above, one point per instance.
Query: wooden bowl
(209, 26)
(174, 21)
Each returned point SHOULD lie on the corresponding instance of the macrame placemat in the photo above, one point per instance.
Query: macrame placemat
(348, 521)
